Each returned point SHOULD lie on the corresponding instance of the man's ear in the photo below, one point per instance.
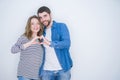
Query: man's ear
(50, 15)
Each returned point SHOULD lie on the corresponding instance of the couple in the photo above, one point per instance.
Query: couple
(44, 50)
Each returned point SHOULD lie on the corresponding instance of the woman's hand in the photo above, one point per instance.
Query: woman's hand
(33, 41)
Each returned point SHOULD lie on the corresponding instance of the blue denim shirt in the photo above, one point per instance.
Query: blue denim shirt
(61, 43)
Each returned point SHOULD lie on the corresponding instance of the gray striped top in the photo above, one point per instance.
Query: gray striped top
(30, 58)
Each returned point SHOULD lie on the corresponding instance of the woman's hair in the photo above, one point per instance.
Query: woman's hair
(28, 32)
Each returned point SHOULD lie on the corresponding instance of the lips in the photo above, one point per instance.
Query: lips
(36, 28)
(45, 22)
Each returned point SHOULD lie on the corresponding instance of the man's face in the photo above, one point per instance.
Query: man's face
(45, 18)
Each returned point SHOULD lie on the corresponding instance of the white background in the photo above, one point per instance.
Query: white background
(94, 26)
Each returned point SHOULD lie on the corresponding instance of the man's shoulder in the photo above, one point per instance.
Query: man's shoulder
(58, 23)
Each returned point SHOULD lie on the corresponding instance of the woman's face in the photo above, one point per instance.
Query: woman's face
(35, 25)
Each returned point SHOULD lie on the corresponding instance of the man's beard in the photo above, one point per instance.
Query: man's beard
(48, 23)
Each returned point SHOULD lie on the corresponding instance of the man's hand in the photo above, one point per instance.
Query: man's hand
(45, 41)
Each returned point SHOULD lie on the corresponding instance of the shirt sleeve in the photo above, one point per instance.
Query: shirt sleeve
(18, 46)
(64, 41)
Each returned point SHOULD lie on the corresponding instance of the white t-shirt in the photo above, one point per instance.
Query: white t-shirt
(51, 60)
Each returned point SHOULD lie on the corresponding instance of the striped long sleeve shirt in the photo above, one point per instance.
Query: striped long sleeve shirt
(30, 58)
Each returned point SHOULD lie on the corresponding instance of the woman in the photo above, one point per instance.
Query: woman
(31, 51)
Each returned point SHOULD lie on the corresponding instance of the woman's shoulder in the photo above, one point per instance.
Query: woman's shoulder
(23, 37)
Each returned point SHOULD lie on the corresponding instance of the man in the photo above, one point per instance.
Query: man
(56, 42)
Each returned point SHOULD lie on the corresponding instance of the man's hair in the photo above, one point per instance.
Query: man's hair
(43, 9)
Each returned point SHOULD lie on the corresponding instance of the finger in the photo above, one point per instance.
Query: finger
(42, 43)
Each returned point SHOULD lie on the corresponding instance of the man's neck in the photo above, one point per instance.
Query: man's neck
(50, 25)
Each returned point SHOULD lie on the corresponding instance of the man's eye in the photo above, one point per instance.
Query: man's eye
(39, 17)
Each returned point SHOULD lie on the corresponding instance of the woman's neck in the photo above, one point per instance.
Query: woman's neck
(34, 35)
